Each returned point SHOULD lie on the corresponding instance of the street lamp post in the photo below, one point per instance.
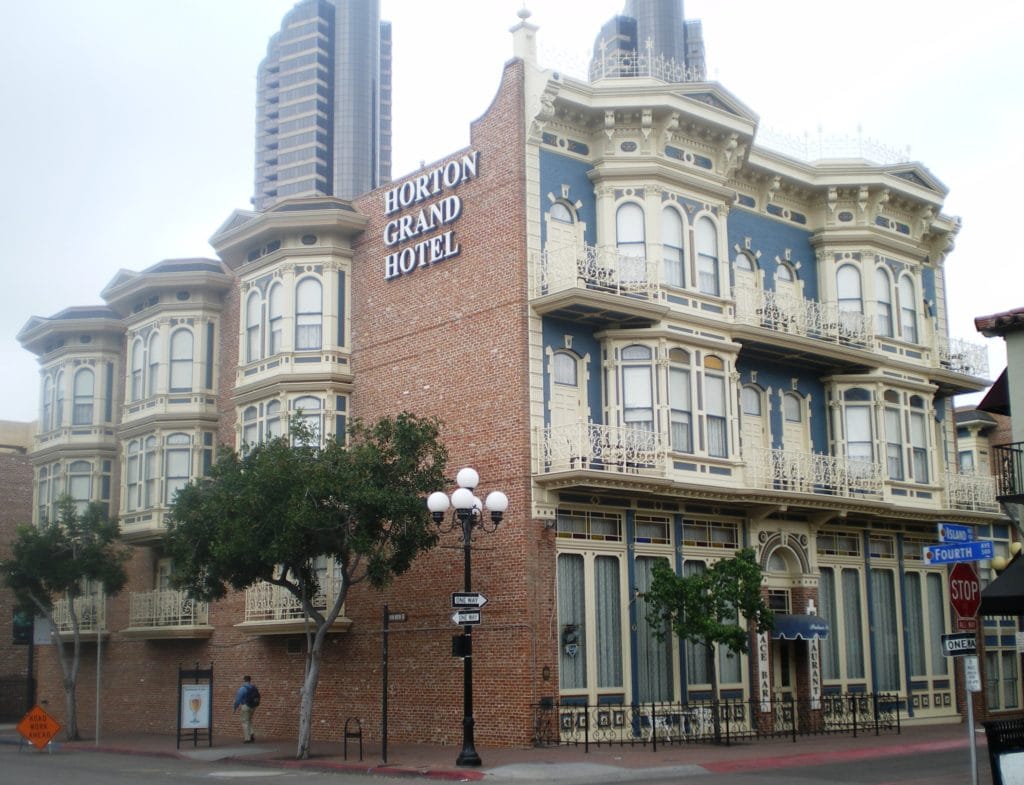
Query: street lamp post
(467, 515)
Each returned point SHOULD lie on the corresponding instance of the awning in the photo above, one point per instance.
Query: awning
(1005, 595)
(790, 626)
(997, 399)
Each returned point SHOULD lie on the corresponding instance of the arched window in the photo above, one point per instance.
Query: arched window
(883, 303)
(629, 230)
(133, 474)
(672, 246)
(848, 296)
(750, 400)
(181, 360)
(153, 360)
(565, 369)
(792, 407)
(637, 394)
(680, 399)
(560, 212)
(309, 410)
(275, 311)
(46, 418)
(919, 439)
(908, 309)
(250, 426)
(706, 238)
(857, 420)
(80, 483)
(84, 393)
(715, 407)
(893, 435)
(784, 273)
(177, 464)
(308, 315)
(743, 263)
(150, 472)
(138, 366)
(273, 420)
(253, 339)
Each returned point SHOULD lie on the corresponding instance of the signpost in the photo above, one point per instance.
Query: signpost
(943, 553)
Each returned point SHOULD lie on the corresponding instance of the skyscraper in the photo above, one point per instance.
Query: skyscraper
(650, 38)
(323, 103)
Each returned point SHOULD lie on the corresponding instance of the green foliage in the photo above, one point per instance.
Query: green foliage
(268, 514)
(702, 608)
(51, 561)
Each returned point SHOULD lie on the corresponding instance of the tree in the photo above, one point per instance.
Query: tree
(271, 513)
(702, 608)
(60, 560)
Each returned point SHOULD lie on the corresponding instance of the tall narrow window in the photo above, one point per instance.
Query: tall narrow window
(250, 426)
(273, 427)
(150, 472)
(893, 436)
(572, 661)
(884, 638)
(706, 240)
(936, 622)
(680, 400)
(608, 609)
(177, 464)
(565, 369)
(857, 421)
(275, 312)
(919, 438)
(829, 645)
(132, 477)
(138, 364)
(883, 303)
(917, 663)
(908, 309)
(715, 407)
(852, 624)
(153, 364)
(253, 338)
(697, 662)
(848, 296)
(631, 242)
(672, 246)
(654, 656)
(308, 315)
(58, 405)
(637, 396)
(46, 418)
(309, 410)
(182, 344)
(84, 392)
(80, 483)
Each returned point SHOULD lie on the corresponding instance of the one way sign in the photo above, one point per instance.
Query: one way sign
(468, 599)
(466, 617)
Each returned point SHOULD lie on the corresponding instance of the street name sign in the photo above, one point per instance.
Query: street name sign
(468, 599)
(960, 644)
(954, 532)
(466, 617)
(943, 553)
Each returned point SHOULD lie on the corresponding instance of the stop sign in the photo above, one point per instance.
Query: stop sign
(964, 590)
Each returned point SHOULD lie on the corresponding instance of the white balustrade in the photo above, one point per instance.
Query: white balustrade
(91, 612)
(270, 602)
(603, 448)
(167, 608)
(974, 492)
(803, 472)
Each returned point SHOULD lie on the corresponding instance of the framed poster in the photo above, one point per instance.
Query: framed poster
(195, 706)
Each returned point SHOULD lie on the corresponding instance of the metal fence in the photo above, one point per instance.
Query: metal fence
(721, 721)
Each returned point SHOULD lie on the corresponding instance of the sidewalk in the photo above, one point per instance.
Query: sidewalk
(547, 763)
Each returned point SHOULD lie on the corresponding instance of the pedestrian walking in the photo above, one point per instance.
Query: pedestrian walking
(246, 700)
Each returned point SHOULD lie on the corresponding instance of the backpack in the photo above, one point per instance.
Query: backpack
(253, 698)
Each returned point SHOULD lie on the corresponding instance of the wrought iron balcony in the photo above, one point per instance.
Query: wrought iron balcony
(167, 614)
(608, 448)
(1009, 463)
(596, 268)
(91, 612)
(823, 321)
(803, 472)
(273, 610)
(971, 492)
(963, 357)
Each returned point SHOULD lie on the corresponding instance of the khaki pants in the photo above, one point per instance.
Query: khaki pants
(246, 713)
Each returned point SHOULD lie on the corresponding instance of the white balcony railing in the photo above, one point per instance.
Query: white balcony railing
(798, 316)
(597, 268)
(802, 472)
(167, 608)
(963, 357)
(596, 447)
(266, 602)
(973, 492)
(91, 612)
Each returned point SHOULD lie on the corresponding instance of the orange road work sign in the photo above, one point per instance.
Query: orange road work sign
(38, 727)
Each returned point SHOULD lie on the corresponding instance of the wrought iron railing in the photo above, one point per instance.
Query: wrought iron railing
(587, 445)
(91, 612)
(824, 321)
(270, 602)
(723, 721)
(167, 608)
(973, 492)
(963, 357)
(597, 268)
(1009, 466)
(616, 63)
(804, 472)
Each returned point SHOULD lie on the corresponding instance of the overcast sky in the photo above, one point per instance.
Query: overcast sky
(128, 125)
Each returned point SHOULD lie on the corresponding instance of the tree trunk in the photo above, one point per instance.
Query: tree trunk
(312, 677)
(716, 718)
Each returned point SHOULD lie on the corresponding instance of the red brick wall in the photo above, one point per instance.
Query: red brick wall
(15, 509)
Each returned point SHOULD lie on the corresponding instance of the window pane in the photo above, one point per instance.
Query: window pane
(830, 645)
(654, 657)
(672, 246)
(181, 360)
(852, 629)
(885, 640)
(572, 668)
(609, 622)
(706, 236)
(565, 369)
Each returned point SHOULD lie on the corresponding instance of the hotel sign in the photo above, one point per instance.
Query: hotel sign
(422, 211)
